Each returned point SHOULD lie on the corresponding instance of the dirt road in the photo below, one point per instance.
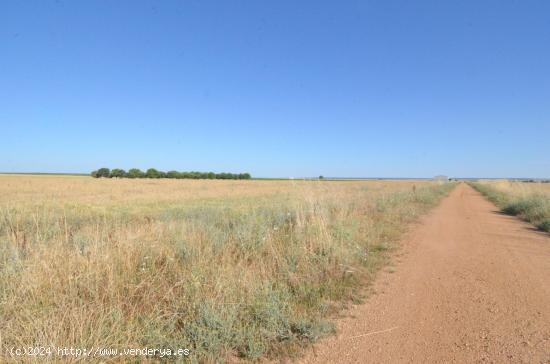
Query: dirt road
(470, 285)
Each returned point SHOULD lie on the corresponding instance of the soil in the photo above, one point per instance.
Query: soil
(468, 285)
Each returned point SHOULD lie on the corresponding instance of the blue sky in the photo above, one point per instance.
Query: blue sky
(277, 88)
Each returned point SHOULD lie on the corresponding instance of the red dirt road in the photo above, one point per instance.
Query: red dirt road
(469, 285)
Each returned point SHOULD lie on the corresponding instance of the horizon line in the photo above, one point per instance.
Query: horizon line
(310, 177)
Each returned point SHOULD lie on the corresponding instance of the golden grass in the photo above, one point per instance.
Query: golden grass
(228, 269)
(528, 200)
(519, 189)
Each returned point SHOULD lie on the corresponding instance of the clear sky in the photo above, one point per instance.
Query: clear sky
(277, 88)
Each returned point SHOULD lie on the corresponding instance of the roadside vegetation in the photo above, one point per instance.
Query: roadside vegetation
(228, 269)
(528, 200)
(154, 173)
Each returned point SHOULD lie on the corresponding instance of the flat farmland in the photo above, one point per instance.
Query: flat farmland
(231, 270)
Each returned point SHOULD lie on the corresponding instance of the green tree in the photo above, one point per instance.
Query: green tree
(152, 173)
(118, 173)
(103, 172)
(135, 173)
(173, 174)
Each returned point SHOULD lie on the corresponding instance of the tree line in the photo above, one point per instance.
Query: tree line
(153, 173)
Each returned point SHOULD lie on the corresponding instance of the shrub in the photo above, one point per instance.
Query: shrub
(545, 225)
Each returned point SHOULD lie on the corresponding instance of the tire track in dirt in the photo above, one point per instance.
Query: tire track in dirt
(469, 285)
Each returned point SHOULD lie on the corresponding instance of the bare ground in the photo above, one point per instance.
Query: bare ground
(469, 285)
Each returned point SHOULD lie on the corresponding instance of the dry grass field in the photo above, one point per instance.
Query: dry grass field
(232, 270)
(528, 200)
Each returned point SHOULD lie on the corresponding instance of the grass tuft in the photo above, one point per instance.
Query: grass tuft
(544, 225)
